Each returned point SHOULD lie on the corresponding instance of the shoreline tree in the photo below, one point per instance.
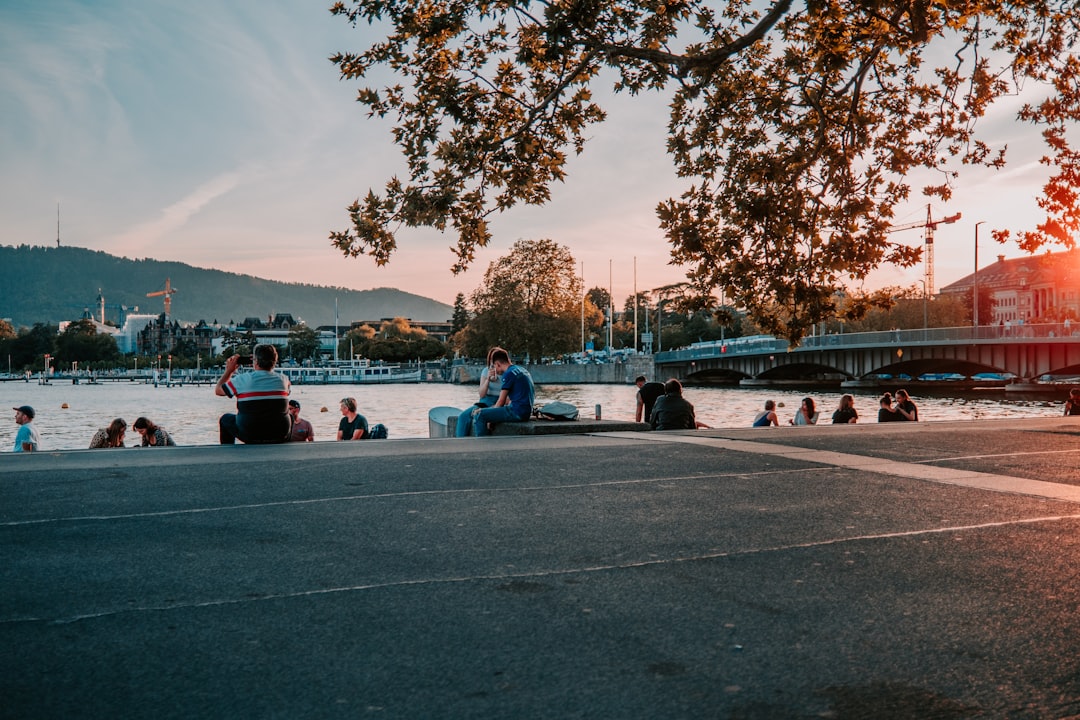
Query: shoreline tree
(529, 303)
(796, 125)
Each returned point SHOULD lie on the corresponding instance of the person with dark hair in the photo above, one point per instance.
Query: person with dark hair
(152, 435)
(516, 396)
(885, 412)
(490, 387)
(353, 426)
(302, 431)
(647, 394)
(905, 407)
(672, 411)
(111, 436)
(807, 414)
(1072, 405)
(262, 411)
(845, 413)
(26, 437)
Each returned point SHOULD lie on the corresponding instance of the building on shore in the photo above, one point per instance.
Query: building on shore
(1035, 289)
(158, 335)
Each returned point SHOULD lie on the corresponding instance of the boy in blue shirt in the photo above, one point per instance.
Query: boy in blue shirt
(515, 401)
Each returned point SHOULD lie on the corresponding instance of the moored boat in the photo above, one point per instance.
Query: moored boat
(349, 372)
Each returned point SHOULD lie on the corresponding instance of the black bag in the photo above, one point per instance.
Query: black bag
(378, 431)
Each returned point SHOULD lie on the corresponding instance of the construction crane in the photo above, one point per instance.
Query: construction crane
(168, 293)
(928, 226)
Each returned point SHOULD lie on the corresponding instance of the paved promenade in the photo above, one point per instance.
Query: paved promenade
(874, 571)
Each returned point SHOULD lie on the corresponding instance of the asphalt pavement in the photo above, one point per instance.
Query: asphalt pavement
(911, 570)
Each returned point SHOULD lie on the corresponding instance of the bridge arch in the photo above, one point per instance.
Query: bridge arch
(1042, 350)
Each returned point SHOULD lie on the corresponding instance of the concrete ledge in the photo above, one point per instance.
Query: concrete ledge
(567, 427)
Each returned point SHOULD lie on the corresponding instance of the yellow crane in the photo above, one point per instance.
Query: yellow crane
(928, 226)
(168, 293)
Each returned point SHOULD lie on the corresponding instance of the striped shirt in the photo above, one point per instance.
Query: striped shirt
(258, 392)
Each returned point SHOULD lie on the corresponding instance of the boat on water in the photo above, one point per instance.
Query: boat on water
(349, 372)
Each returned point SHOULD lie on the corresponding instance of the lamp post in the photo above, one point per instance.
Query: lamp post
(925, 299)
(975, 283)
(660, 325)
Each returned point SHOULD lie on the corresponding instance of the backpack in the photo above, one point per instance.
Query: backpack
(378, 431)
(557, 411)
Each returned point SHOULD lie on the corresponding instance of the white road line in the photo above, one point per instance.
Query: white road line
(536, 574)
(896, 468)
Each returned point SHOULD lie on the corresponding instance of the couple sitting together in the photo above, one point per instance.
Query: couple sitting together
(506, 395)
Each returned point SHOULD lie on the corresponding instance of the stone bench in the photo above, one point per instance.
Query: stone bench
(557, 427)
(567, 427)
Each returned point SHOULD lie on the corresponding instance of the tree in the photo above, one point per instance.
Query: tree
(81, 342)
(460, 318)
(303, 342)
(354, 341)
(796, 124)
(529, 303)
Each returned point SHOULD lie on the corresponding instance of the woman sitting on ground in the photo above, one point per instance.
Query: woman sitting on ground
(152, 435)
(767, 417)
(806, 414)
(110, 437)
(845, 414)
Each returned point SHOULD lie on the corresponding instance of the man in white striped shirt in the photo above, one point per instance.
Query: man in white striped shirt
(262, 395)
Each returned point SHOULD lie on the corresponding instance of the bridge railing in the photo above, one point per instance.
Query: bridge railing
(762, 344)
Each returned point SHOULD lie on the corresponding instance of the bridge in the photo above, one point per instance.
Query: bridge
(1019, 354)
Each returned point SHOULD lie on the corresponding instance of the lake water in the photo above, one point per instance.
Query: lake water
(190, 412)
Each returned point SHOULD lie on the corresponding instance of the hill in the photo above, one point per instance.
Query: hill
(47, 284)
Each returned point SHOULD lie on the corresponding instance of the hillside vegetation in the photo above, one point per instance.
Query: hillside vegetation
(48, 285)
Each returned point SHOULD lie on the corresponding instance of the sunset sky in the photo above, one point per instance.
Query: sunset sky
(218, 134)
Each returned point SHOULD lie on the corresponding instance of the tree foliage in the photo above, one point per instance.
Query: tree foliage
(396, 340)
(303, 342)
(796, 125)
(81, 342)
(460, 318)
(530, 303)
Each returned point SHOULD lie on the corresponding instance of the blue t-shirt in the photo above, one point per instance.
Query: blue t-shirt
(519, 385)
(26, 434)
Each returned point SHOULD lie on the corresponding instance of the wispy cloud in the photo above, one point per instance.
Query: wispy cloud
(175, 216)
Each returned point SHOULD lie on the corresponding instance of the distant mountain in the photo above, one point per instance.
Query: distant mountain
(47, 284)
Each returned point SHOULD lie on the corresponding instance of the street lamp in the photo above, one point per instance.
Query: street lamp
(975, 282)
(925, 300)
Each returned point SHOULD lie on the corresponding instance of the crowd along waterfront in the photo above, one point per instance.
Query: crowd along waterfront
(69, 414)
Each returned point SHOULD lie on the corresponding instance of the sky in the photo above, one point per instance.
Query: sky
(219, 134)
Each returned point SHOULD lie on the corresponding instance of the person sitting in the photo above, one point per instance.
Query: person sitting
(845, 414)
(353, 426)
(302, 431)
(905, 406)
(26, 437)
(490, 387)
(516, 397)
(806, 414)
(767, 417)
(672, 411)
(111, 436)
(886, 413)
(647, 395)
(1072, 405)
(152, 435)
(262, 411)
